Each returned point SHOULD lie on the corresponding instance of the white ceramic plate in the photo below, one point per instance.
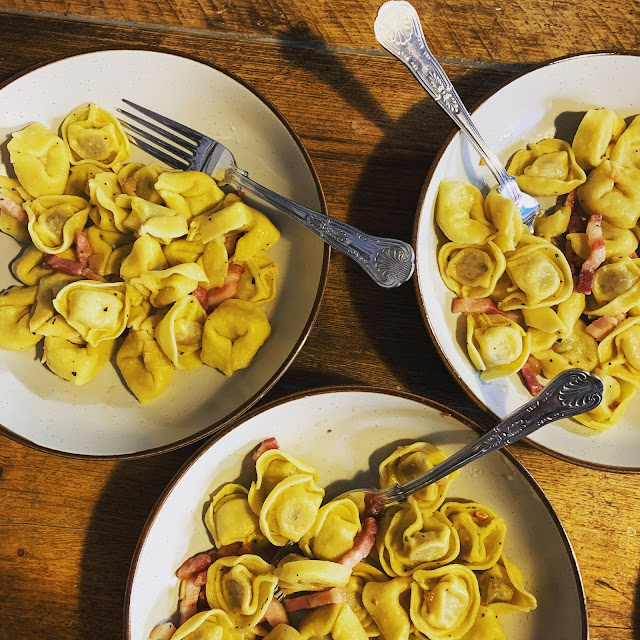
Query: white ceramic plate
(344, 433)
(543, 103)
(102, 418)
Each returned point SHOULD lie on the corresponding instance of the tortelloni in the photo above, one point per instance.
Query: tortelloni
(410, 539)
(486, 626)
(40, 159)
(93, 135)
(147, 218)
(188, 192)
(613, 189)
(167, 286)
(212, 623)
(332, 622)
(616, 287)
(411, 461)
(242, 586)
(481, 532)
(540, 274)
(471, 271)
(144, 366)
(502, 589)
(618, 242)
(136, 179)
(179, 333)
(444, 601)
(592, 143)
(361, 575)
(229, 517)
(290, 509)
(77, 363)
(547, 168)
(333, 532)
(505, 216)
(619, 351)
(460, 213)
(296, 573)
(54, 220)
(618, 392)
(625, 150)
(233, 333)
(388, 605)
(16, 304)
(98, 311)
(497, 346)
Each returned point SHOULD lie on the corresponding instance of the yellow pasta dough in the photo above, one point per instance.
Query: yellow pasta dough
(596, 132)
(296, 573)
(229, 517)
(188, 192)
(77, 363)
(16, 304)
(502, 589)
(10, 225)
(40, 159)
(95, 136)
(332, 622)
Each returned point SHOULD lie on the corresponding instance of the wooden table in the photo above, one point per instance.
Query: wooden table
(68, 528)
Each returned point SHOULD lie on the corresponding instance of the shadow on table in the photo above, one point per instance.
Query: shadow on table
(384, 204)
(132, 488)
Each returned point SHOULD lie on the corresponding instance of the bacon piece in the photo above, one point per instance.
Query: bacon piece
(317, 599)
(265, 445)
(604, 325)
(276, 613)
(529, 376)
(201, 294)
(479, 305)
(373, 504)
(229, 289)
(596, 256)
(362, 545)
(570, 200)
(13, 209)
(71, 268)
(188, 606)
(202, 561)
(162, 631)
(83, 248)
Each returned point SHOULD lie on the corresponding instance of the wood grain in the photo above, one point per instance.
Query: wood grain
(68, 528)
(488, 31)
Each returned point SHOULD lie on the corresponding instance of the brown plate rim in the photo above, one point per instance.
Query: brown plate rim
(221, 424)
(420, 297)
(433, 404)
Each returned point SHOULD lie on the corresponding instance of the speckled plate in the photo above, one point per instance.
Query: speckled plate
(550, 100)
(102, 418)
(345, 433)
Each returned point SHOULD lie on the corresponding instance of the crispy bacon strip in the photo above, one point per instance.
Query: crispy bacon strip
(188, 606)
(317, 599)
(83, 248)
(479, 305)
(373, 504)
(596, 256)
(190, 568)
(265, 445)
(604, 325)
(13, 209)
(529, 371)
(577, 224)
(229, 289)
(162, 631)
(71, 268)
(230, 243)
(362, 545)
(276, 613)
(201, 294)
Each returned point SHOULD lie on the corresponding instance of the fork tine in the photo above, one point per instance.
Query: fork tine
(181, 153)
(163, 132)
(160, 155)
(196, 136)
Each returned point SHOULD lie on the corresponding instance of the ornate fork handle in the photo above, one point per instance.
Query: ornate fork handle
(568, 394)
(388, 262)
(398, 30)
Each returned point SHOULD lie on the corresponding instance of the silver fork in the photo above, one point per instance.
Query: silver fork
(571, 392)
(398, 29)
(387, 261)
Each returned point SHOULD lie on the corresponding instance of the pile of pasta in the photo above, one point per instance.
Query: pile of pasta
(569, 294)
(428, 569)
(116, 248)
